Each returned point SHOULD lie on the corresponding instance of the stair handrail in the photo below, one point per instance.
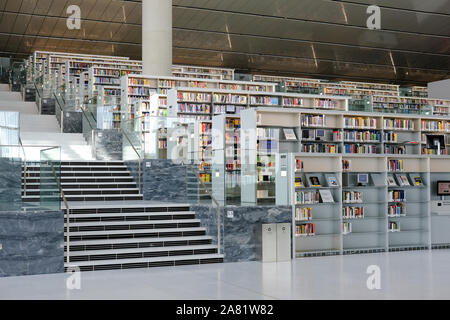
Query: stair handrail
(37, 89)
(57, 101)
(197, 176)
(66, 204)
(139, 157)
(87, 118)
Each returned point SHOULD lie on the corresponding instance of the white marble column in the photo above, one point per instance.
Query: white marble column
(157, 37)
(439, 89)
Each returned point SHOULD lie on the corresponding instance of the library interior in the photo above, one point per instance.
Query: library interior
(192, 149)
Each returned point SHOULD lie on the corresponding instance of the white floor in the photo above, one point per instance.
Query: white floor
(404, 275)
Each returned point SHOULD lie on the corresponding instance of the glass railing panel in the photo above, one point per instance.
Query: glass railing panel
(10, 178)
(50, 177)
(132, 140)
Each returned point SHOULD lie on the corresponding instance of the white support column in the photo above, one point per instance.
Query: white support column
(439, 90)
(157, 37)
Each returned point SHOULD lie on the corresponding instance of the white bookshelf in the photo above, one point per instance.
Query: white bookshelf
(203, 72)
(364, 210)
(317, 227)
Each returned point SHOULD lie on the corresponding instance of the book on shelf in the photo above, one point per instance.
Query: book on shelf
(298, 165)
(418, 181)
(362, 136)
(398, 124)
(403, 180)
(320, 148)
(346, 228)
(314, 181)
(325, 103)
(292, 102)
(397, 210)
(346, 165)
(352, 197)
(303, 214)
(394, 226)
(395, 165)
(326, 196)
(391, 181)
(390, 136)
(289, 134)
(337, 135)
(360, 122)
(352, 212)
(360, 148)
(314, 121)
(396, 196)
(307, 197)
(305, 229)
(388, 149)
(299, 182)
(332, 182)
(262, 100)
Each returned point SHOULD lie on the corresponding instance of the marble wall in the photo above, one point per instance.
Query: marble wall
(10, 184)
(72, 122)
(32, 242)
(47, 106)
(239, 232)
(208, 220)
(133, 167)
(164, 180)
(108, 145)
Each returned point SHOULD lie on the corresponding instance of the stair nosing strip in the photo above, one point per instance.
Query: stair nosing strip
(145, 260)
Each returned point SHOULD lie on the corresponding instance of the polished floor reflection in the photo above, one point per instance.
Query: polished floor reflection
(403, 275)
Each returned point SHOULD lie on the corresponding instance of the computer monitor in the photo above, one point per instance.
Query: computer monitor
(320, 134)
(362, 178)
(443, 188)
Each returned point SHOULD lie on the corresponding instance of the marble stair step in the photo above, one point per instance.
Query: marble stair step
(79, 179)
(139, 250)
(112, 232)
(79, 192)
(130, 215)
(104, 224)
(85, 185)
(79, 174)
(92, 163)
(147, 262)
(138, 242)
(112, 197)
(79, 168)
(134, 207)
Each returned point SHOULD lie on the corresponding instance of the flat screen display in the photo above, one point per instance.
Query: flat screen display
(443, 188)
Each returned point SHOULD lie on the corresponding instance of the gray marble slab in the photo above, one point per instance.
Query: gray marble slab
(72, 122)
(32, 242)
(10, 184)
(108, 144)
(133, 167)
(164, 180)
(239, 232)
(208, 219)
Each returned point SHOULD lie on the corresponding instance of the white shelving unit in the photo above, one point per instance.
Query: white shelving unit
(360, 219)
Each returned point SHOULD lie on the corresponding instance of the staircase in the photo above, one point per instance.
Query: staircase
(138, 236)
(43, 130)
(111, 227)
(73, 145)
(121, 234)
(84, 181)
